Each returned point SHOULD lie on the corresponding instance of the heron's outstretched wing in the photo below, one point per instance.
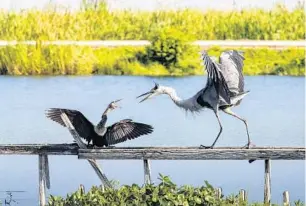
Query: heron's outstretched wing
(81, 124)
(215, 79)
(124, 130)
(232, 67)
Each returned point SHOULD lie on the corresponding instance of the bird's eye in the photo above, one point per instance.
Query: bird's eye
(155, 87)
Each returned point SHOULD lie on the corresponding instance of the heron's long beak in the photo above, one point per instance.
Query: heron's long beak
(150, 94)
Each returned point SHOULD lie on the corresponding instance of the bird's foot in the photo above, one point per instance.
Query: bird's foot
(97, 147)
(206, 147)
(90, 146)
(248, 146)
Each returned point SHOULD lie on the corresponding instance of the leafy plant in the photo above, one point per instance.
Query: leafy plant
(165, 193)
(168, 47)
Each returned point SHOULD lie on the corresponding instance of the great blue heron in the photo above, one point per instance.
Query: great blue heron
(100, 135)
(224, 89)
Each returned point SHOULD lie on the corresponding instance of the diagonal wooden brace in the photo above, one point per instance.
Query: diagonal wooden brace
(81, 144)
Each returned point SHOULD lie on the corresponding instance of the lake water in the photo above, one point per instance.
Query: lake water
(274, 110)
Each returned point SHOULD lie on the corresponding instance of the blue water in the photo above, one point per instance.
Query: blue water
(274, 110)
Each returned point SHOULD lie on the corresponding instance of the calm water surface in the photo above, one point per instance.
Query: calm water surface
(274, 109)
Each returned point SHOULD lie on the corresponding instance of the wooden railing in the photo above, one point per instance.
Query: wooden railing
(276, 44)
(152, 153)
(146, 154)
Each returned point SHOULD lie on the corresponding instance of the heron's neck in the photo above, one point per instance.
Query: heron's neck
(186, 104)
(172, 94)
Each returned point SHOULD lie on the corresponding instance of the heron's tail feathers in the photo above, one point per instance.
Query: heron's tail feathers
(238, 97)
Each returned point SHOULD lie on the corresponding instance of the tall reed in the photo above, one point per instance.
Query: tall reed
(100, 24)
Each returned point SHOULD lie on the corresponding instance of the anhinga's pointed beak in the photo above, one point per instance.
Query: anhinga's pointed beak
(117, 100)
(115, 105)
(149, 95)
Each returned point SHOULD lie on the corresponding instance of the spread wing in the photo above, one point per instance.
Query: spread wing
(81, 124)
(232, 67)
(215, 79)
(125, 130)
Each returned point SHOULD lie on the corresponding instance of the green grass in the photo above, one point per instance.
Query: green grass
(82, 60)
(102, 24)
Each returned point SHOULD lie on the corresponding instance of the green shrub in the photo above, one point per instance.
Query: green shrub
(165, 193)
(168, 47)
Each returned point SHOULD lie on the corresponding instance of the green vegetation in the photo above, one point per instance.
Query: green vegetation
(165, 193)
(100, 24)
(153, 61)
(170, 33)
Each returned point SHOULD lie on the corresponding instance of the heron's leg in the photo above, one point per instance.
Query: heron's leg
(230, 112)
(220, 131)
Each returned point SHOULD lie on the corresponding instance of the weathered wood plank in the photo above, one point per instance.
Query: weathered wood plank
(34, 149)
(147, 171)
(42, 183)
(267, 186)
(285, 153)
(185, 153)
(81, 144)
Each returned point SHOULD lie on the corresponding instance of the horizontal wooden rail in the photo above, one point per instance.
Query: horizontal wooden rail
(184, 153)
(195, 153)
(34, 149)
(277, 44)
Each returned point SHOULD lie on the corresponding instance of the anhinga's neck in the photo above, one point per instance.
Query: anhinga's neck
(106, 111)
(101, 128)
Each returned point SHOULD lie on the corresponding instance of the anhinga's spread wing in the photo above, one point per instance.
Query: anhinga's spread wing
(215, 79)
(81, 124)
(124, 130)
(232, 67)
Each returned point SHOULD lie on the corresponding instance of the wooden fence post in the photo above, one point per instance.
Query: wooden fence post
(218, 192)
(82, 189)
(47, 176)
(243, 195)
(92, 162)
(286, 199)
(147, 172)
(267, 189)
(42, 180)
